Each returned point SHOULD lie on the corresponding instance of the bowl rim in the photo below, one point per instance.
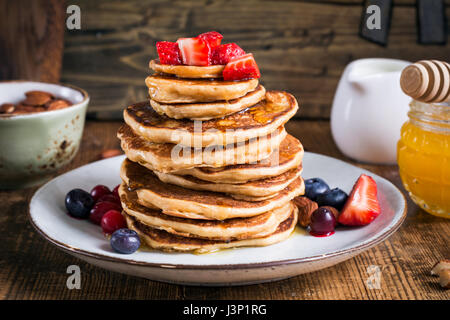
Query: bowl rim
(80, 104)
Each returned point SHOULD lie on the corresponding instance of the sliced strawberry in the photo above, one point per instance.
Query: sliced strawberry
(241, 68)
(226, 52)
(194, 51)
(168, 52)
(362, 205)
(213, 38)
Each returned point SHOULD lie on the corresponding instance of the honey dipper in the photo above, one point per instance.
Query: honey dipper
(427, 81)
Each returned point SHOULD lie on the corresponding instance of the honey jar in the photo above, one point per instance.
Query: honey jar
(423, 155)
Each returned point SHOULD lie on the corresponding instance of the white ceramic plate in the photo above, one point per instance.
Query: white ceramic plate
(301, 253)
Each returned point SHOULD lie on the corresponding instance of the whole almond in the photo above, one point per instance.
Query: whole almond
(333, 210)
(37, 98)
(110, 153)
(58, 104)
(7, 108)
(305, 209)
(24, 109)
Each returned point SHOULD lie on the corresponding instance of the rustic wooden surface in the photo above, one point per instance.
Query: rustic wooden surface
(301, 46)
(31, 39)
(32, 268)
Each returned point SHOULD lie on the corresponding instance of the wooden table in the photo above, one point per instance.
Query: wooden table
(32, 268)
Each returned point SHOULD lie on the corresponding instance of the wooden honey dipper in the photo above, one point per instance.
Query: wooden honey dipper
(427, 81)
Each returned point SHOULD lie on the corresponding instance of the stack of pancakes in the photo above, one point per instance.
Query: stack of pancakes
(209, 164)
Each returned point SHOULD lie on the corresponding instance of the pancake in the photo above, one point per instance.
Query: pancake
(166, 157)
(169, 89)
(186, 203)
(287, 157)
(257, 188)
(195, 72)
(162, 240)
(259, 120)
(231, 229)
(209, 110)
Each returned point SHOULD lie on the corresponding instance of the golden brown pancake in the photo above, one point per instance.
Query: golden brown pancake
(231, 229)
(259, 120)
(162, 240)
(287, 157)
(193, 204)
(209, 110)
(166, 157)
(257, 188)
(182, 71)
(170, 89)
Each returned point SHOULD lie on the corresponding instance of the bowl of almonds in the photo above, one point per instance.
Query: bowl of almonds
(41, 125)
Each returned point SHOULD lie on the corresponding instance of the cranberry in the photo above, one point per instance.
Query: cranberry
(112, 221)
(98, 191)
(323, 222)
(115, 192)
(100, 209)
(109, 198)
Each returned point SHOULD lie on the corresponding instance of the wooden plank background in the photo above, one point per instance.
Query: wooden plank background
(301, 46)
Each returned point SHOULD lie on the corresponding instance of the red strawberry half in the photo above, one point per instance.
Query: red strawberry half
(241, 68)
(168, 52)
(213, 38)
(226, 52)
(194, 51)
(362, 205)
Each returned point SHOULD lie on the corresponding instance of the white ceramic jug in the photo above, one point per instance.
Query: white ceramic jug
(369, 109)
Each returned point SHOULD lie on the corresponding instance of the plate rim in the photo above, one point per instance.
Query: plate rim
(71, 249)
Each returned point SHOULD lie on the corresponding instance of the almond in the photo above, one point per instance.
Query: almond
(58, 104)
(444, 278)
(7, 108)
(440, 266)
(37, 98)
(305, 209)
(110, 153)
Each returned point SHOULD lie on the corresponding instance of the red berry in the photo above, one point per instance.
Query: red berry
(362, 205)
(112, 221)
(194, 51)
(323, 222)
(100, 209)
(109, 198)
(226, 52)
(115, 192)
(241, 68)
(168, 52)
(213, 38)
(99, 191)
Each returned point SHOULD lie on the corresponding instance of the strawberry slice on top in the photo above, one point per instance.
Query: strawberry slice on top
(213, 38)
(168, 52)
(362, 206)
(194, 51)
(226, 52)
(241, 68)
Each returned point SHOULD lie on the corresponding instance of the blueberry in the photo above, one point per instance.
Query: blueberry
(335, 198)
(125, 241)
(314, 187)
(79, 203)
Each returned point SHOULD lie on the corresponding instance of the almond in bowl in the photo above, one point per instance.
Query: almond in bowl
(41, 125)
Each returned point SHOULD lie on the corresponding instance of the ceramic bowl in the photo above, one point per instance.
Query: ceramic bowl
(34, 146)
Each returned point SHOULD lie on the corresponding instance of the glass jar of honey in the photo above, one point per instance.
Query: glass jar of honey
(423, 155)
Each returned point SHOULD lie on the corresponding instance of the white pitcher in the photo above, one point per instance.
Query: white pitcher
(369, 109)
